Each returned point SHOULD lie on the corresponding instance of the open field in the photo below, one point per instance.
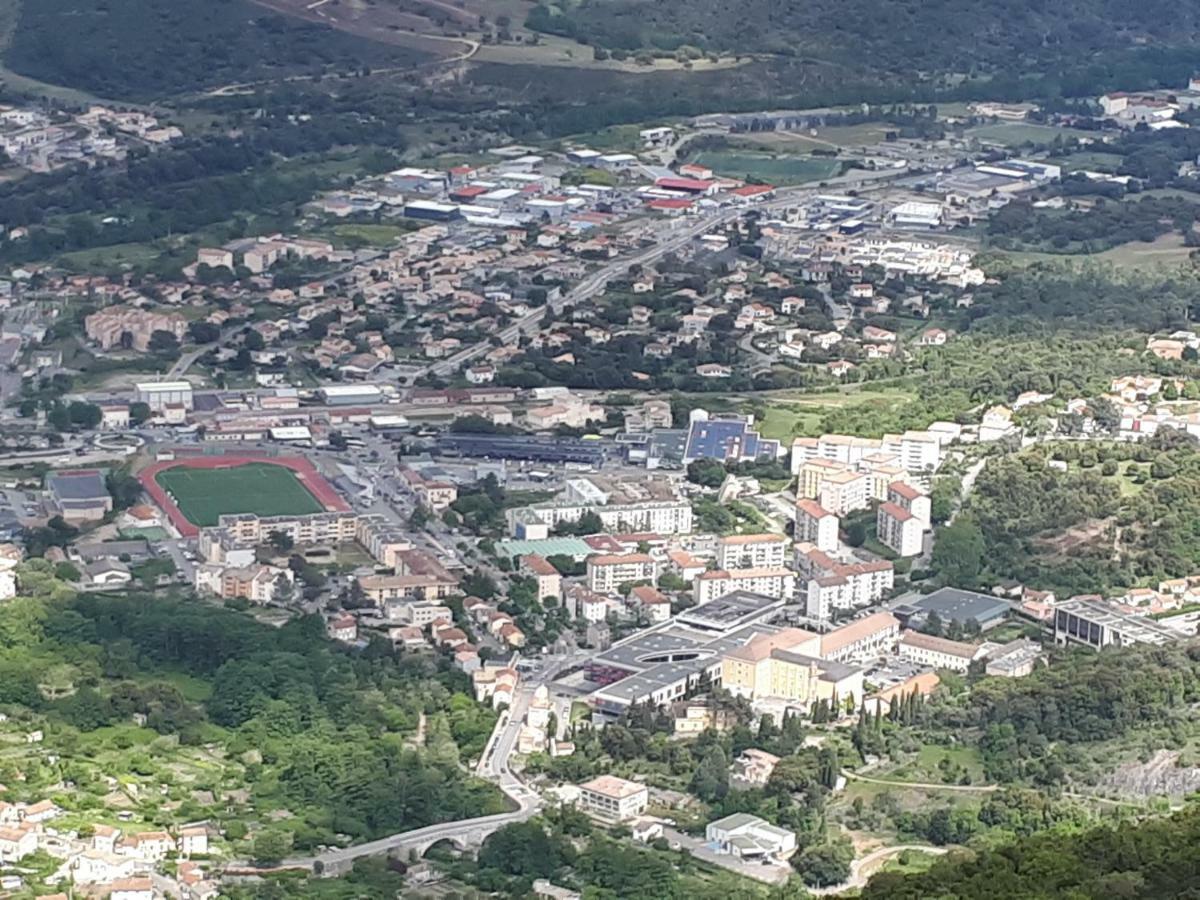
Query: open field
(1091, 161)
(834, 136)
(204, 495)
(1013, 134)
(801, 416)
(774, 169)
(1167, 250)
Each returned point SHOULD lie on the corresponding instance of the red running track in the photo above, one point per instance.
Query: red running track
(312, 480)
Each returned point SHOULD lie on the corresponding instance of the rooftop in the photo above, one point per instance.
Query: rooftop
(614, 787)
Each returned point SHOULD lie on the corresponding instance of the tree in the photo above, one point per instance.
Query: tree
(706, 472)
(823, 865)
(163, 343)
(203, 332)
(856, 533)
(281, 541)
(271, 847)
(711, 779)
(139, 412)
(958, 552)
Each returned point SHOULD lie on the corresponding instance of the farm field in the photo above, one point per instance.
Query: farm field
(204, 495)
(768, 168)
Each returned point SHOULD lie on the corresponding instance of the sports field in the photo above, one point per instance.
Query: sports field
(204, 495)
(773, 169)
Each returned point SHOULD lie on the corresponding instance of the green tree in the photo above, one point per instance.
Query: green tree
(711, 779)
(271, 847)
(958, 552)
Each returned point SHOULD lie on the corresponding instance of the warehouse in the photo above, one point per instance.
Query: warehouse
(350, 394)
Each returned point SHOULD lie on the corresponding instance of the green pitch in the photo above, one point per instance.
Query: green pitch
(204, 495)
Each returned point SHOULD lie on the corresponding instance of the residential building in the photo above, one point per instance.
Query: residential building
(16, 842)
(549, 582)
(777, 583)
(613, 799)
(586, 604)
(910, 499)
(816, 525)
(899, 529)
(607, 572)
(937, 652)
(844, 492)
(116, 327)
(754, 766)
(864, 638)
(752, 551)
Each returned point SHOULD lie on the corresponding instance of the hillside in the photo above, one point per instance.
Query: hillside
(966, 37)
(149, 49)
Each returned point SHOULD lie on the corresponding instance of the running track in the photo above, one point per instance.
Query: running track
(312, 480)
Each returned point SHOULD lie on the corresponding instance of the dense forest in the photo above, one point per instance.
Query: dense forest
(1120, 515)
(1028, 725)
(327, 728)
(150, 49)
(971, 37)
(1108, 224)
(1154, 858)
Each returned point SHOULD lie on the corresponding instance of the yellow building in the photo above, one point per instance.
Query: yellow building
(786, 666)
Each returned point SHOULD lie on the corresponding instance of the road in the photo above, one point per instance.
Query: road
(863, 868)
(925, 785)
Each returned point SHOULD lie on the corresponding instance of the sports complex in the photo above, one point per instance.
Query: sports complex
(196, 491)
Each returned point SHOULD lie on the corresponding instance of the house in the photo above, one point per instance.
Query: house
(343, 628)
(151, 846)
(613, 799)
(42, 811)
(131, 889)
(17, 842)
(755, 766)
(108, 573)
(932, 337)
(749, 837)
(193, 841)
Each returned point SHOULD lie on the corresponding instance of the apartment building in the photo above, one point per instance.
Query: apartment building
(937, 652)
(899, 529)
(257, 583)
(778, 583)
(813, 472)
(864, 638)
(752, 551)
(844, 492)
(816, 525)
(117, 327)
(916, 451)
(379, 589)
(607, 572)
(908, 498)
(613, 799)
(549, 581)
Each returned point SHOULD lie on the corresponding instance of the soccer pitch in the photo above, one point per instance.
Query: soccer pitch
(204, 495)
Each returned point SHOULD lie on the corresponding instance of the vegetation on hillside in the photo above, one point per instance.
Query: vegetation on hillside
(148, 49)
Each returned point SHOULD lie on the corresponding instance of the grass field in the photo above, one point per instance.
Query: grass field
(203, 495)
(781, 169)
(1167, 250)
(801, 416)
(1012, 134)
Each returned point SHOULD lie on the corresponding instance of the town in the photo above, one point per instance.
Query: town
(608, 438)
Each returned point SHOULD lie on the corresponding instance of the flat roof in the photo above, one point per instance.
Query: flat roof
(734, 610)
(151, 386)
(953, 604)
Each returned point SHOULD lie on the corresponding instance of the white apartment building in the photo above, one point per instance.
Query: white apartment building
(779, 583)
(605, 573)
(816, 525)
(917, 451)
(899, 529)
(909, 498)
(613, 799)
(752, 551)
(937, 652)
(834, 586)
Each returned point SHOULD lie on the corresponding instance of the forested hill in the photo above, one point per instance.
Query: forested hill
(1156, 858)
(968, 37)
(151, 49)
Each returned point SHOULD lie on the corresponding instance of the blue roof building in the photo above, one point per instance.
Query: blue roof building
(729, 439)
